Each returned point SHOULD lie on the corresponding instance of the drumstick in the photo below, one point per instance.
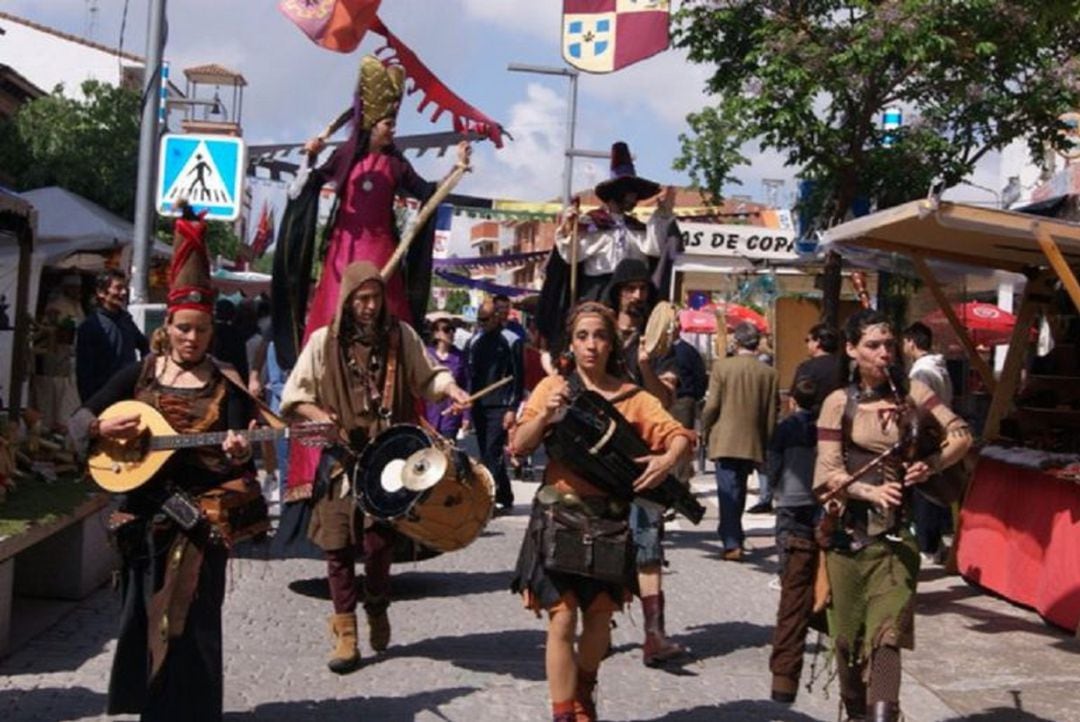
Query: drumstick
(482, 392)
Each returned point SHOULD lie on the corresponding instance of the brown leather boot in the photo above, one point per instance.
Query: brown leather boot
(585, 697)
(658, 648)
(378, 622)
(346, 656)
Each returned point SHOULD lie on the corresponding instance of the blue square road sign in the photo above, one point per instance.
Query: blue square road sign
(206, 170)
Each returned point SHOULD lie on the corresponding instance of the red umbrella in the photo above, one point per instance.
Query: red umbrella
(987, 324)
(703, 320)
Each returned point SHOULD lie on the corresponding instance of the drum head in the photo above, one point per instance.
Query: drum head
(660, 329)
(379, 471)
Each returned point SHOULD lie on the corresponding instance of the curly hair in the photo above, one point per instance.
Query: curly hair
(616, 365)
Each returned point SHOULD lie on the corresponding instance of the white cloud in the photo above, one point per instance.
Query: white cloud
(667, 84)
(530, 166)
(541, 18)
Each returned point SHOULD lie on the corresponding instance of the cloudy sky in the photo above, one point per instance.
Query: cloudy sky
(295, 87)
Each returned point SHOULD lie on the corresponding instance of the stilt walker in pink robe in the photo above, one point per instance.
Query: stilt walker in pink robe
(368, 171)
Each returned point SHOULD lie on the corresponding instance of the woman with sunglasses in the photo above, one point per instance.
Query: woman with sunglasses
(443, 352)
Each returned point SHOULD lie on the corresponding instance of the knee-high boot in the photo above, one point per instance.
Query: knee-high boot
(658, 648)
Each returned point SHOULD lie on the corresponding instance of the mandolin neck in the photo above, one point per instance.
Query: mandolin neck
(212, 438)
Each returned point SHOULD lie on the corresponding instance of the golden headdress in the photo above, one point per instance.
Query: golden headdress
(381, 88)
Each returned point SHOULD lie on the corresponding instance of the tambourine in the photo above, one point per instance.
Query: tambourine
(660, 329)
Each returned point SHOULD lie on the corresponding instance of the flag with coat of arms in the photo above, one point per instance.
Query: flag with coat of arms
(601, 36)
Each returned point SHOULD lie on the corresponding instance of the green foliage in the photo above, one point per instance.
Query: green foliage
(264, 263)
(456, 301)
(810, 79)
(89, 146)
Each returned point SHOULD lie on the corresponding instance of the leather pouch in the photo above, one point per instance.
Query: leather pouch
(572, 542)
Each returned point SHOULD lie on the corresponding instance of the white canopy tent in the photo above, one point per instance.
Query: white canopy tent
(72, 232)
(17, 222)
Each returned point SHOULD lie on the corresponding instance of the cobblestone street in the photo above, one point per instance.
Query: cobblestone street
(464, 649)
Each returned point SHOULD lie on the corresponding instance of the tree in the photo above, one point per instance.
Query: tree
(456, 301)
(811, 78)
(89, 146)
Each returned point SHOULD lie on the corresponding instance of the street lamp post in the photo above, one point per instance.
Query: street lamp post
(148, 146)
(571, 121)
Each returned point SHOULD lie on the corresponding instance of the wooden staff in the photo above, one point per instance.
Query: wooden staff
(482, 392)
(576, 204)
(422, 217)
(335, 125)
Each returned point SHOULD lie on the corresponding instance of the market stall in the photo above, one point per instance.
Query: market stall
(1019, 532)
(753, 266)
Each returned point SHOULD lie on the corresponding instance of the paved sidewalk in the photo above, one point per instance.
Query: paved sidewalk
(465, 650)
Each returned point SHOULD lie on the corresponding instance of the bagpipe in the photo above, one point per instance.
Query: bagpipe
(597, 442)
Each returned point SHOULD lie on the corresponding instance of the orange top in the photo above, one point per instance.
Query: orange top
(644, 412)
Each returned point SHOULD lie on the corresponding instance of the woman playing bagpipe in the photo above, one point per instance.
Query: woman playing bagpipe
(168, 663)
(588, 502)
(870, 460)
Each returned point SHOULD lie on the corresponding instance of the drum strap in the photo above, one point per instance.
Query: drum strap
(393, 347)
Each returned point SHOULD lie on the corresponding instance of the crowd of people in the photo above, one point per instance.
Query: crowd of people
(835, 464)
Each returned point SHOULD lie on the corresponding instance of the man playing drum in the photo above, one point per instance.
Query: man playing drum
(365, 372)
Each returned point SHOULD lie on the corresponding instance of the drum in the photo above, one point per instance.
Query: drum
(660, 330)
(379, 490)
(450, 514)
(425, 487)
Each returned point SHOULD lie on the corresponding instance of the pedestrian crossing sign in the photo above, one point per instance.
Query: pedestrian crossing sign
(206, 170)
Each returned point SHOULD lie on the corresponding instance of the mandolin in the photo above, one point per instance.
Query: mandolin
(122, 465)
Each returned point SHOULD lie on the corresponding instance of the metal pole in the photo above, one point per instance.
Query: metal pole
(148, 147)
(571, 118)
(571, 125)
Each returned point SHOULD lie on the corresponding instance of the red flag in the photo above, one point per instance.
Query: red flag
(334, 24)
(466, 118)
(264, 233)
(600, 36)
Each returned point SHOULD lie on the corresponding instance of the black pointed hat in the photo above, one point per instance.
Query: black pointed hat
(624, 178)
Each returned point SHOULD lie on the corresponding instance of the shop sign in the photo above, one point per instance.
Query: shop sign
(754, 242)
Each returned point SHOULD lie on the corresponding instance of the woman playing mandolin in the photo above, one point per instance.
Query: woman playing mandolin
(571, 672)
(866, 467)
(168, 663)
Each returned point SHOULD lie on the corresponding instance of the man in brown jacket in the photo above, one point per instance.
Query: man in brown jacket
(364, 372)
(740, 413)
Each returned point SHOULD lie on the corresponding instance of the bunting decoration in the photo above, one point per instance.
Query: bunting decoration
(337, 25)
(507, 259)
(602, 36)
(487, 286)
